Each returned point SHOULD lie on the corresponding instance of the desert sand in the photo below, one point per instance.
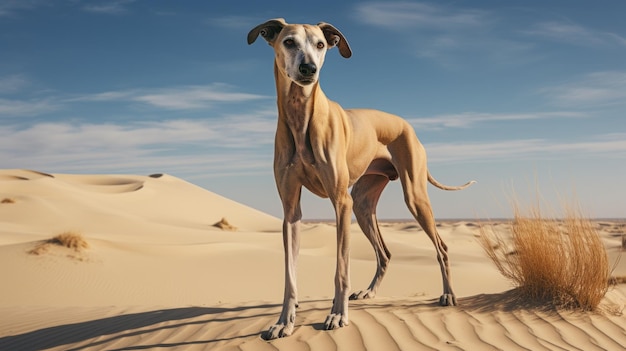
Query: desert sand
(157, 274)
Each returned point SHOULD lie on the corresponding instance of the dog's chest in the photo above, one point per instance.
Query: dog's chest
(297, 114)
(295, 152)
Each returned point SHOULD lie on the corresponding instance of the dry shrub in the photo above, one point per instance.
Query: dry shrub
(617, 280)
(224, 225)
(561, 261)
(7, 200)
(70, 240)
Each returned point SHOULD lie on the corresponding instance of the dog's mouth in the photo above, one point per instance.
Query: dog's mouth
(305, 81)
(302, 80)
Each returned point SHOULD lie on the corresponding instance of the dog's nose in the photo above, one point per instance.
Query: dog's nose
(307, 69)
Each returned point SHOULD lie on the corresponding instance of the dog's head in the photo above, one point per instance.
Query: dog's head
(300, 48)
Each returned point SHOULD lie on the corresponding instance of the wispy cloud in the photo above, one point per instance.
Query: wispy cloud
(109, 7)
(195, 97)
(468, 119)
(18, 108)
(605, 145)
(574, 34)
(161, 145)
(233, 22)
(175, 98)
(233, 145)
(592, 90)
(12, 83)
(192, 97)
(451, 36)
(400, 15)
(11, 7)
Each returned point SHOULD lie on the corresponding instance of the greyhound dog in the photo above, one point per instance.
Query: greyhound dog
(327, 149)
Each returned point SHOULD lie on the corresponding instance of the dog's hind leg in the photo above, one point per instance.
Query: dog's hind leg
(413, 174)
(365, 193)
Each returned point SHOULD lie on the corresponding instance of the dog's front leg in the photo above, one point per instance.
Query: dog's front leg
(291, 244)
(338, 316)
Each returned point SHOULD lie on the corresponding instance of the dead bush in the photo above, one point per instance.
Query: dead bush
(70, 240)
(562, 261)
(223, 224)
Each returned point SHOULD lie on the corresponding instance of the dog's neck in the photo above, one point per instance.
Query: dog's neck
(296, 106)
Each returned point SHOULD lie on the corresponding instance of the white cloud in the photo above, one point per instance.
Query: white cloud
(400, 15)
(233, 22)
(465, 120)
(233, 145)
(192, 97)
(617, 38)
(176, 98)
(18, 108)
(451, 36)
(106, 96)
(64, 136)
(229, 144)
(12, 83)
(10, 7)
(110, 7)
(605, 145)
(196, 97)
(592, 90)
(574, 34)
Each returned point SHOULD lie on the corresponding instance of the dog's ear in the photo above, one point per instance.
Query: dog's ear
(335, 38)
(268, 30)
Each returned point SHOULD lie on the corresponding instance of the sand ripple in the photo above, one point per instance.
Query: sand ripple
(383, 324)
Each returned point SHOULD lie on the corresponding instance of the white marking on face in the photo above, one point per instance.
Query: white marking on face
(303, 46)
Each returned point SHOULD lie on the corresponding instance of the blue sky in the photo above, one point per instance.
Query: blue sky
(517, 95)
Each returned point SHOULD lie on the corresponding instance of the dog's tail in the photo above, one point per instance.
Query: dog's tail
(434, 182)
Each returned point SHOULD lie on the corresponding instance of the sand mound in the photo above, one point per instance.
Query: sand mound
(159, 275)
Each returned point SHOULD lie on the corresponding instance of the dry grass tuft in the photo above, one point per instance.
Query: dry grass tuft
(70, 240)
(560, 261)
(617, 280)
(224, 225)
(7, 200)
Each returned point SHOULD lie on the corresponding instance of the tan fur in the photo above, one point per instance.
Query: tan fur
(327, 149)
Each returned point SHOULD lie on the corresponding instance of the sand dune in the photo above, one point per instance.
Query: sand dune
(158, 275)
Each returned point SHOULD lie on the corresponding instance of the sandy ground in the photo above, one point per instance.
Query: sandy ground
(158, 275)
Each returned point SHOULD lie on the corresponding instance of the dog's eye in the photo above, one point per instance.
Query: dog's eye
(289, 42)
(320, 45)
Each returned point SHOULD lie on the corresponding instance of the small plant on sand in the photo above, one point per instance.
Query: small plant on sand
(561, 261)
(223, 224)
(70, 240)
(7, 200)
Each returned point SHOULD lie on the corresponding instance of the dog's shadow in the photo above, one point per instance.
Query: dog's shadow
(214, 325)
(112, 330)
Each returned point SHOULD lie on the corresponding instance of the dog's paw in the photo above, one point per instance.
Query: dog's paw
(278, 330)
(447, 300)
(336, 321)
(362, 295)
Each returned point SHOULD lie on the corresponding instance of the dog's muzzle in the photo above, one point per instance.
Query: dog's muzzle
(306, 74)
(307, 70)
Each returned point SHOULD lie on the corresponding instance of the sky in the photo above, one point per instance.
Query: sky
(528, 98)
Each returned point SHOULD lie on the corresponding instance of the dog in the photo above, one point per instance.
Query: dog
(327, 149)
